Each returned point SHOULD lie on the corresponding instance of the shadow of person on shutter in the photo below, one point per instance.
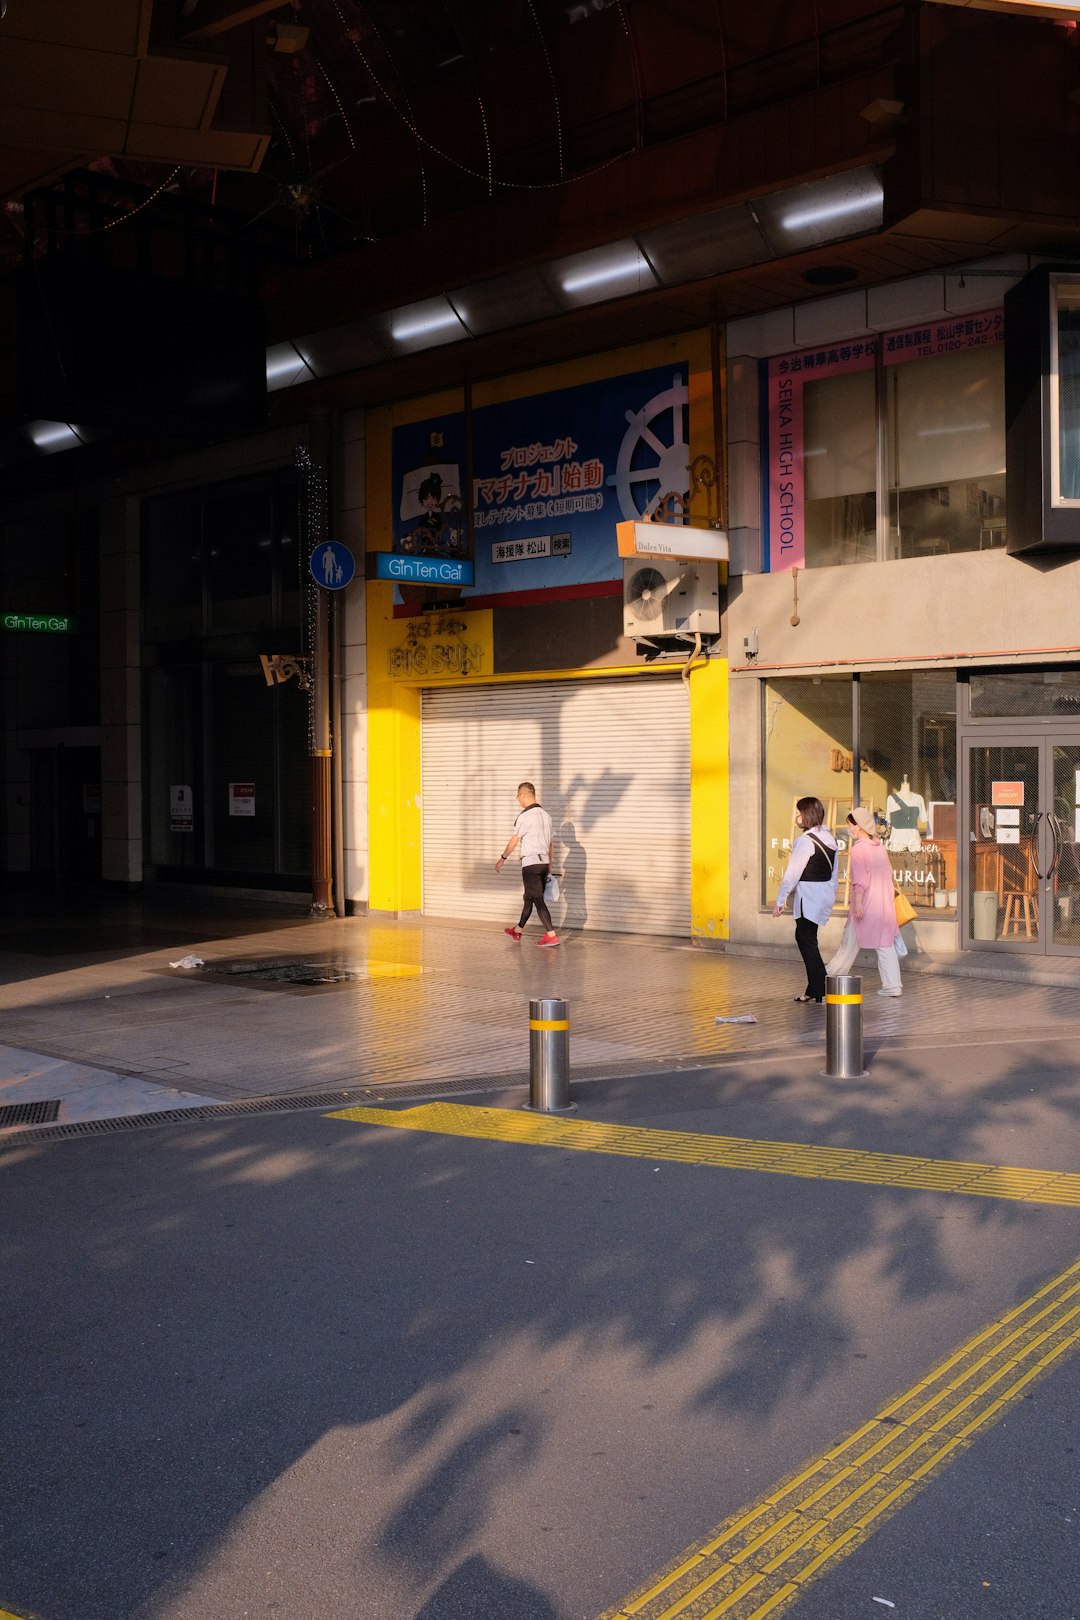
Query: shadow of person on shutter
(574, 866)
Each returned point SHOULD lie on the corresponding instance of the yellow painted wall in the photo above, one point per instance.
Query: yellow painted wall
(710, 835)
(394, 685)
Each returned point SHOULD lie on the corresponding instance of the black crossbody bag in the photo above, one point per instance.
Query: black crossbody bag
(819, 868)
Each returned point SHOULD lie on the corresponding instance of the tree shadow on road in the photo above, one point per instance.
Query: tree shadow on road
(432, 1344)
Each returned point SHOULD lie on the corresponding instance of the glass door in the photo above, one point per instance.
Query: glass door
(1009, 843)
(1063, 818)
(1023, 841)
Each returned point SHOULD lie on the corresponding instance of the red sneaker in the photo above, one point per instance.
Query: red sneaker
(548, 940)
(515, 933)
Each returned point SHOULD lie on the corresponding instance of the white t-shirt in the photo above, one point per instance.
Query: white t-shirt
(533, 827)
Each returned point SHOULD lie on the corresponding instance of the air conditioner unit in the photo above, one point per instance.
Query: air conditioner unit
(664, 597)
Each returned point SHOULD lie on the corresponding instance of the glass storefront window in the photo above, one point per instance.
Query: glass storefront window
(946, 435)
(808, 752)
(905, 772)
(223, 581)
(893, 446)
(1049, 692)
(907, 776)
(839, 469)
(239, 560)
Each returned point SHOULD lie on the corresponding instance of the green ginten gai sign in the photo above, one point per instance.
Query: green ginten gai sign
(43, 623)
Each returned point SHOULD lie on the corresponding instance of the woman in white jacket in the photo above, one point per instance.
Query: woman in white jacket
(811, 878)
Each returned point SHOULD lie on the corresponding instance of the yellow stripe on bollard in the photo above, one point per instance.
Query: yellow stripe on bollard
(837, 1001)
(549, 1023)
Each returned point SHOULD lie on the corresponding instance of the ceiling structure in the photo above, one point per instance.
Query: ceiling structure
(384, 154)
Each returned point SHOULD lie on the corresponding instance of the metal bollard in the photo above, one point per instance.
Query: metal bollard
(549, 1057)
(843, 1028)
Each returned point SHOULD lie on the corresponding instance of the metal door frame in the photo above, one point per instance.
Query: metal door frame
(1042, 735)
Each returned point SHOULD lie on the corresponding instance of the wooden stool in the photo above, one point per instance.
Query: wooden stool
(1021, 909)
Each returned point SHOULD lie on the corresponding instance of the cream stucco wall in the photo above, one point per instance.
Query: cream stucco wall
(969, 608)
(964, 611)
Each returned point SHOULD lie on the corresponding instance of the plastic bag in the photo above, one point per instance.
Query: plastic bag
(551, 889)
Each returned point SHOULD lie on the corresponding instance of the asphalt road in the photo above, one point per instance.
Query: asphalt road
(299, 1366)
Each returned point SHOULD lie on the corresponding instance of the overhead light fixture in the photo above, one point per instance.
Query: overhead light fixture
(285, 367)
(827, 213)
(820, 212)
(422, 328)
(602, 277)
(53, 435)
(423, 325)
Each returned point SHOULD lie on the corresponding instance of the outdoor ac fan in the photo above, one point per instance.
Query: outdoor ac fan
(647, 592)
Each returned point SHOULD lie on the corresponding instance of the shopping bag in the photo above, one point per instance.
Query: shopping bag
(551, 889)
(905, 911)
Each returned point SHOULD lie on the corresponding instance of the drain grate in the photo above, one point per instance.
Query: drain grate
(30, 1113)
(306, 973)
(293, 1103)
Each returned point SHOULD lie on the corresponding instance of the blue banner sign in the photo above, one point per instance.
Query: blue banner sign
(421, 570)
(552, 475)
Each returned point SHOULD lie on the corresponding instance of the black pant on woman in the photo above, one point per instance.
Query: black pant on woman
(806, 940)
(533, 879)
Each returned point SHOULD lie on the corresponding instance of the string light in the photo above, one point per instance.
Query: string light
(97, 230)
(490, 180)
(312, 535)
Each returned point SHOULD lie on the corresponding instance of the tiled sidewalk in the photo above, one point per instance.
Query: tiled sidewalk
(122, 1031)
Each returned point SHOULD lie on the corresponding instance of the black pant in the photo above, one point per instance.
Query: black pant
(806, 940)
(533, 879)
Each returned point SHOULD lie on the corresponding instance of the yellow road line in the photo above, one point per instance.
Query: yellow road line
(757, 1563)
(731, 1152)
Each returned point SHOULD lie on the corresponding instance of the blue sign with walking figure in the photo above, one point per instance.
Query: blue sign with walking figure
(332, 565)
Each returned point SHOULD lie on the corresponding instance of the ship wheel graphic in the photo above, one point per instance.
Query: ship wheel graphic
(654, 453)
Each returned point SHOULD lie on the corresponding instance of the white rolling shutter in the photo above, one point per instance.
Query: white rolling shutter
(611, 764)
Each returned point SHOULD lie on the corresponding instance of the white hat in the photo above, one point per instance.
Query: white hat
(864, 818)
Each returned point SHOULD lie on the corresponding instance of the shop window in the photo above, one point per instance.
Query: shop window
(946, 435)
(228, 775)
(239, 560)
(808, 753)
(907, 776)
(839, 470)
(890, 447)
(172, 571)
(902, 767)
(1023, 693)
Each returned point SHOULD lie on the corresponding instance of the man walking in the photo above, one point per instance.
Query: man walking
(532, 837)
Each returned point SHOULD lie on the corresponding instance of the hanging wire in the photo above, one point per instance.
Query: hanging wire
(463, 168)
(97, 230)
(312, 534)
(554, 84)
(332, 87)
(409, 123)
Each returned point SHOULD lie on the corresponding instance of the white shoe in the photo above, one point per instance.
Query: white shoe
(890, 992)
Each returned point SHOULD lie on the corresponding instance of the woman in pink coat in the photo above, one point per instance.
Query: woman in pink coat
(871, 923)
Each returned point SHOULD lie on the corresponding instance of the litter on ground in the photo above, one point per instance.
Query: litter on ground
(738, 1018)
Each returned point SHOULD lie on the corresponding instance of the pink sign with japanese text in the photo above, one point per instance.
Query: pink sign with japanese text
(788, 375)
(944, 337)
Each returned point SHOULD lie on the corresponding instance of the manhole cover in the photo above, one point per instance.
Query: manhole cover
(31, 1113)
